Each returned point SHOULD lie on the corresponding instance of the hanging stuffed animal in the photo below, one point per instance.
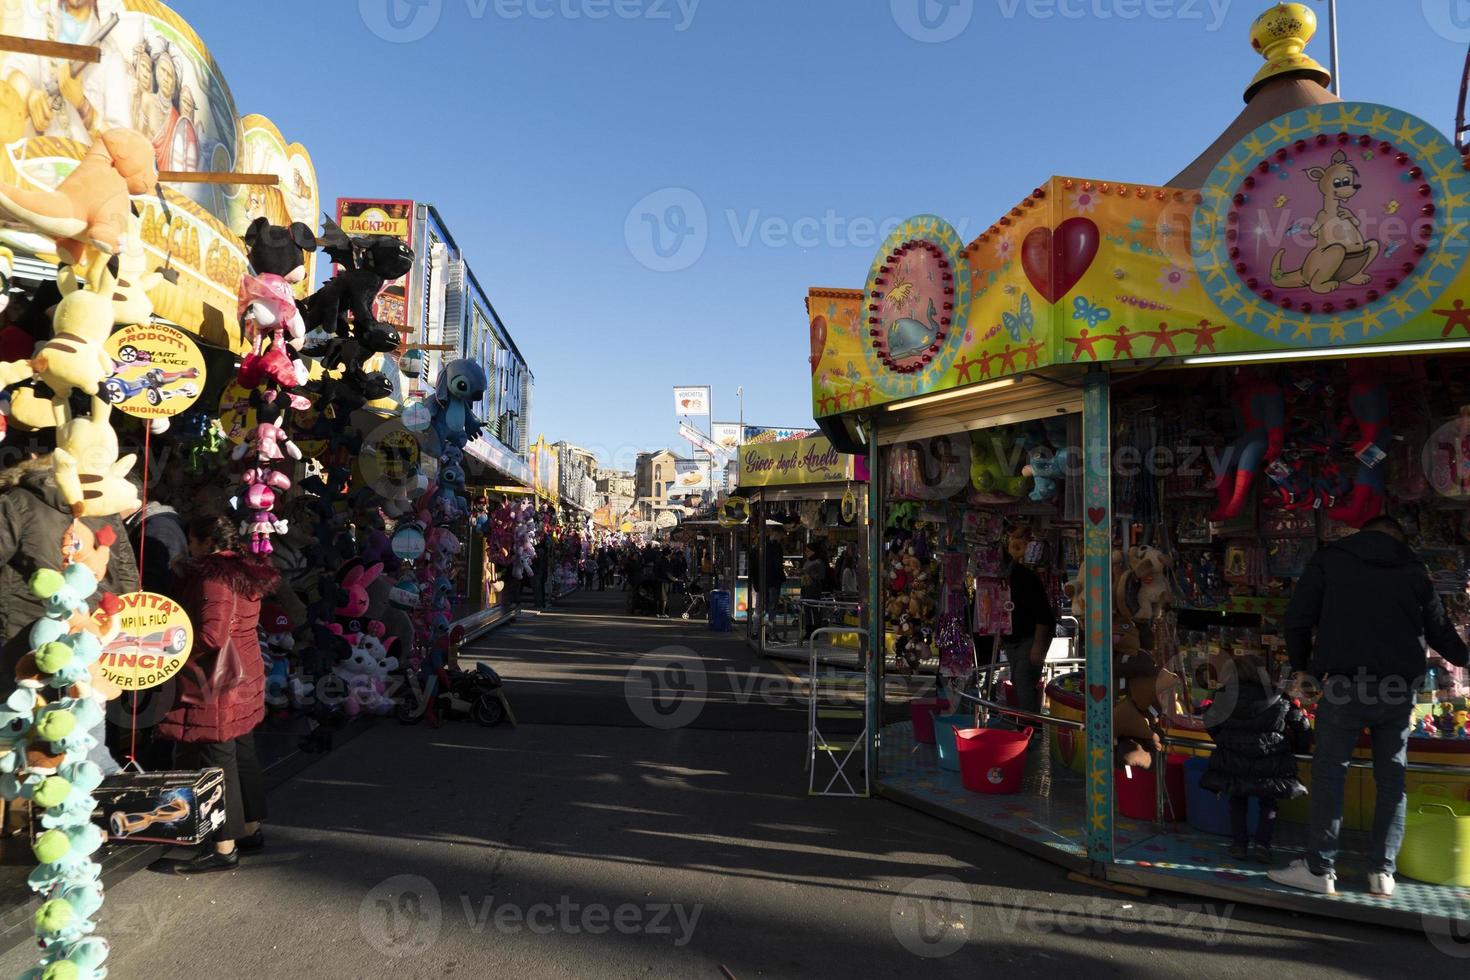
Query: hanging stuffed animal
(365, 265)
(267, 442)
(461, 384)
(1260, 412)
(73, 359)
(268, 312)
(993, 458)
(1047, 460)
(91, 478)
(261, 523)
(1368, 403)
(279, 250)
(91, 206)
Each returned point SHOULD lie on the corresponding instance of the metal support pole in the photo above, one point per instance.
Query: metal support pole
(1332, 47)
(1097, 551)
(877, 642)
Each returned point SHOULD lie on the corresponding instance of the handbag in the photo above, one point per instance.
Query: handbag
(229, 670)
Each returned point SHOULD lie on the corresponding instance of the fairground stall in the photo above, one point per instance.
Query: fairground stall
(168, 353)
(807, 526)
(1163, 399)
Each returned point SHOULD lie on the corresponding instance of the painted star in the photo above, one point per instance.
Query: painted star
(1134, 226)
(1459, 316)
(1099, 821)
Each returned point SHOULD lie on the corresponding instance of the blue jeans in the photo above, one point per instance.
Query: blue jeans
(1338, 728)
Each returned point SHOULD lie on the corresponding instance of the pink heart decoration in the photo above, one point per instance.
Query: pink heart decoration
(1056, 261)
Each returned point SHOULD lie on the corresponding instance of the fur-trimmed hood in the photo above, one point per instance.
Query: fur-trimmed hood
(246, 575)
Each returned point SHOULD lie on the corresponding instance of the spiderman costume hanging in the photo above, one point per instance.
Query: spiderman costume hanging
(1260, 411)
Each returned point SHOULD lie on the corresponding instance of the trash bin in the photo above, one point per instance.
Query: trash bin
(719, 610)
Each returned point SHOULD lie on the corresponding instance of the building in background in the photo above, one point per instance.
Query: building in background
(443, 313)
(577, 471)
(654, 475)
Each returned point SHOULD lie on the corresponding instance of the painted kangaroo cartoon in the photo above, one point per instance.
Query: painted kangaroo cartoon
(1341, 254)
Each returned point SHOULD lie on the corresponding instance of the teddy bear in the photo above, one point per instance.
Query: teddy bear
(91, 206)
(1142, 592)
(1138, 719)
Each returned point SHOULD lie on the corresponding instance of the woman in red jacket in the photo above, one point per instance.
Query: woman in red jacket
(221, 689)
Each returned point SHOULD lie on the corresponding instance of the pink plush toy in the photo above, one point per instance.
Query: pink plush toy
(266, 476)
(351, 621)
(267, 442)
(261, 523)
(267, 307)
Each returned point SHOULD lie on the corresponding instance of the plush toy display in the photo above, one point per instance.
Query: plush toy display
(91, 206)
(1047, 459)
(267, 442)
(43, 749)
(1260, 413)
(365, 265)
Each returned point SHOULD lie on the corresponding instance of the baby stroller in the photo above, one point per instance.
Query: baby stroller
(697, 601)
(643, 601)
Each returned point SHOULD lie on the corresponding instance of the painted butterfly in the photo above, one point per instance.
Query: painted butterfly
(1020, 321)
(1082, 309)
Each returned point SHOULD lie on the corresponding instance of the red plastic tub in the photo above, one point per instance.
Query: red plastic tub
(923, 711)
(1136, 794)
(992, 760)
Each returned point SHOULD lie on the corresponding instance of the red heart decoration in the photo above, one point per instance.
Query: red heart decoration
(1096, 514)
(1055, 262)
(685, 403)
(1098, 691)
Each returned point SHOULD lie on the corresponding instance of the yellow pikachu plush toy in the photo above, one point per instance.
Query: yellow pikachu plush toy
(92, 480)
(74, 357)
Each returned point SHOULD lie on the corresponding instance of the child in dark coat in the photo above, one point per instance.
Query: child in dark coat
(1257, 735)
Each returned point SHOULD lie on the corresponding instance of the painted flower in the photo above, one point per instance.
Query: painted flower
(1174, 278)
(1083, 201)
(1003, 249)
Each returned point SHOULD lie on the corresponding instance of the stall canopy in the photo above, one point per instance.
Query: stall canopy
(1326, 227)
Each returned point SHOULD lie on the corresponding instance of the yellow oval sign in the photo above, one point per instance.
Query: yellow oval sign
(152, 644)
(157, 371)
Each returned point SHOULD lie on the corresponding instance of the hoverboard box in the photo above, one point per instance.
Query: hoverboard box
(181, 808)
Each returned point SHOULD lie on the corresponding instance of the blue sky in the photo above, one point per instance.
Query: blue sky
(763, 139)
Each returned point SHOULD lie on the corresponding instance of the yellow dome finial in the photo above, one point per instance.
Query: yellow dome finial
(1280, 35)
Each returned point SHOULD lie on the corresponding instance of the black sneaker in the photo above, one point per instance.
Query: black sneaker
(207, 862)
(249, 845)
(1261, 854)
(1239, 851)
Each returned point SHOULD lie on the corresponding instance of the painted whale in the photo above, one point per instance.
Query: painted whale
(908, 337)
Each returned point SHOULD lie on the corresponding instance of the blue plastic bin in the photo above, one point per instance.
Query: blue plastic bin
(1203, 810)
(719, 610)
(944, 741)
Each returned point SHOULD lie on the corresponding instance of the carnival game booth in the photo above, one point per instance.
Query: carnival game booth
(803, 493)
(500, 484)
(1171, 395)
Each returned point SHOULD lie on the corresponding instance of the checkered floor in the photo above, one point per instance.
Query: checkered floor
(1049, 810)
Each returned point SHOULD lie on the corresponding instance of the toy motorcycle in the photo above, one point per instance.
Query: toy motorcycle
(453, 693)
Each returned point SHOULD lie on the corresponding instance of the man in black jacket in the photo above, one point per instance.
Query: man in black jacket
(1373, 608)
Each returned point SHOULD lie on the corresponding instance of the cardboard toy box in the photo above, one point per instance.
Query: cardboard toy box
(182, 808)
